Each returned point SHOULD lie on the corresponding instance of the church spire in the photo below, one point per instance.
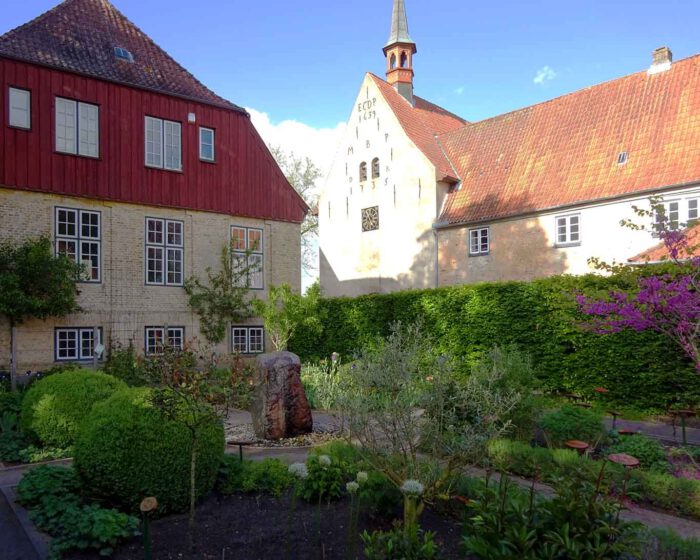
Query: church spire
(399, 52)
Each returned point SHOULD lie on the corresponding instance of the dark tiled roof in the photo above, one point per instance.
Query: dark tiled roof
(565, 151)
(80, 36)
(422, 122)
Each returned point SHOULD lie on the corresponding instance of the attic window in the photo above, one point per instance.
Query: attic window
(622, 158)
(123, 54)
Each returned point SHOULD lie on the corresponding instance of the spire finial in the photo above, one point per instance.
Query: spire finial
(399, 25)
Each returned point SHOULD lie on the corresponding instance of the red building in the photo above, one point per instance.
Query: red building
(137, 170)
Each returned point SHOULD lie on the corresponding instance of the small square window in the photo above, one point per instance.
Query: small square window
(568, 230)
(156, 339)
(247, 340)
(20, 108)
(667, 217)
(479, 241)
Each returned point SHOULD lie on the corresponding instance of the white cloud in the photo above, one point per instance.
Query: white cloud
(544, 74)
(319, 144)
(459, 90)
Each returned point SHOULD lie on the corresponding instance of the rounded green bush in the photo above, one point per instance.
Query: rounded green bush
(572, 422)
(127, 450)
(650, 452)
(54, 407)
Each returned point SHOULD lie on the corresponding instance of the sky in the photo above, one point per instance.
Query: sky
(296, 65)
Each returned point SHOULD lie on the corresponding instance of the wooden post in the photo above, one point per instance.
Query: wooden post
(13, 357)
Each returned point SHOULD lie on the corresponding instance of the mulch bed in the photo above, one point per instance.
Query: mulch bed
(254, 527)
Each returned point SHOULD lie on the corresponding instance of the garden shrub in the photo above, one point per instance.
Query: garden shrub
(389, 545)
(325, 481)
(639, 369)
(572, 422)
(54, 407)
(124, 364)
(127, 450)
(10, 401)
(269, 476)
(12, 441)
(52, 496)
(379, 496)
(663, 544)
(650, 452)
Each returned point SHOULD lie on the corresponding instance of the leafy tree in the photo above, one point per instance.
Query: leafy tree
(223, 299)
(666, 303)
(285, 312)
(302, 173)
(35, 284)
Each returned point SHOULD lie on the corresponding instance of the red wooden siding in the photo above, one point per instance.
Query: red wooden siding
(244, 181)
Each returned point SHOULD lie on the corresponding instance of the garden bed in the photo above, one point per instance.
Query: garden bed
(254, 526)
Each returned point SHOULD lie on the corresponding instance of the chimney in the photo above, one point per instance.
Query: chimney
(661, 60)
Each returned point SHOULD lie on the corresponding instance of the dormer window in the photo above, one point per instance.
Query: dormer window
(123, 54)
(363, 171)
(375, 168)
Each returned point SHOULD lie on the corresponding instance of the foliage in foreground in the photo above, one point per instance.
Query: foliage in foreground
(662, 544)
(128, 450)
(579, 522)
(55, 407)
(52, 496)
(389, 545)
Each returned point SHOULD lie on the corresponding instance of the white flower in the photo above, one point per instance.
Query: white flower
(324, 460)
(352, 487)
(362, 477)
(299, 470)
(412, 488)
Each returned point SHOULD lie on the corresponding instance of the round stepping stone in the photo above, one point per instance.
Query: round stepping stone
(624, 459)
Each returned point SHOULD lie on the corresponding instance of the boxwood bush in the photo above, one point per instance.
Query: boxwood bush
(572, 422)
(127, 450)
(640, 369)
(54, 407)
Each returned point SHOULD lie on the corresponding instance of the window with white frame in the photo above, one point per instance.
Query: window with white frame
(206, 144)
(247, 255)
(667, 216)
(75, 343)
(479, 241)
(693, 209)
(165, 252)
(163, 144)
(156, 338)
(247, 340)
(78, 236)
(77, 127)
(20, 108)
(568, 229)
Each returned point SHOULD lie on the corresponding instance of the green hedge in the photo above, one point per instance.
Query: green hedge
(541, 317)
(127, 450)
(54, 407)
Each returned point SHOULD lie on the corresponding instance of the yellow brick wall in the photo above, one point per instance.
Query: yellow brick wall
(122, 304)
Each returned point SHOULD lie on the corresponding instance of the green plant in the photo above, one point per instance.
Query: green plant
(12, 442)
(127, 450)
(54, 407)
(52, 496)
(32, 454)
(663, 544)
(284, 312)
(35, 283)
(379, 496)
(572, 422)
(390, 545)
(10, 402)
(269, 476)
(323, 382)
(650, 453)
(325, 481)
(505, 522)
(124, 364)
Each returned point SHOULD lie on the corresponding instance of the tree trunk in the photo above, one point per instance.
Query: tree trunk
(13, 355)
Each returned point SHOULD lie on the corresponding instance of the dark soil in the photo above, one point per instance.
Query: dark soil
(254, 527)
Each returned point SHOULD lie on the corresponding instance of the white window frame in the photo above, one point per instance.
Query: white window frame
(84, 241)
(80, 127)
(695, 201)
(670, 207)
(158, 334)
(212, 159)
(165, 150)
(570, 238)
(19, 107)
(243, 337)
(249, 255)
(478, 249)
(168, 246)
(79, 334)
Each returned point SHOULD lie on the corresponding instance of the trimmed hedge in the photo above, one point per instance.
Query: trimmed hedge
(541, 317)
(54, 407)
(127, 450)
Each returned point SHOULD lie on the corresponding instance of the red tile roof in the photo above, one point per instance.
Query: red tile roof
(660, 252)
(422, 123)
(80, 36)
(565, 151)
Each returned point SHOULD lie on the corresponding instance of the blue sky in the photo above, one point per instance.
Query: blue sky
(303, 59)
